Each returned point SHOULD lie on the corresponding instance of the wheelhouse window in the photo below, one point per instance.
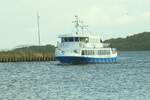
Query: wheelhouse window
(65, 39)
(84, 39)
(70, 39)
(76, 39)
(81, 39)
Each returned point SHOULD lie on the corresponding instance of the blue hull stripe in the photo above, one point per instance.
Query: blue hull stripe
(78, 60)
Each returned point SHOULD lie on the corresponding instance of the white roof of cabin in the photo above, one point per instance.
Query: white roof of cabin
(79, 35)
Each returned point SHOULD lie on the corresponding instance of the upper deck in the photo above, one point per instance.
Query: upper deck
(87, 38)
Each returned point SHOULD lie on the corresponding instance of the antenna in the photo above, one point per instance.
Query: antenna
(38, 25)
(77, 24)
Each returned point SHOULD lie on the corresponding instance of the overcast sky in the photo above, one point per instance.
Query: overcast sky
(107, 18)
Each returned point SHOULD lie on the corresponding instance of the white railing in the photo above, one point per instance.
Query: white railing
(106, 45)
(81, 45)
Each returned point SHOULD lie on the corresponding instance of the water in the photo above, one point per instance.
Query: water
(127, 80)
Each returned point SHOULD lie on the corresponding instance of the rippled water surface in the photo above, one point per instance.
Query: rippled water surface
(129, 79)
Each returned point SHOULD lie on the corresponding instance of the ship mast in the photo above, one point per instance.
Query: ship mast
(38, 25)
(78, 25)
(77, 21)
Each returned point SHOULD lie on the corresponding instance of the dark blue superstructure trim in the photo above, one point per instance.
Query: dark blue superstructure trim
(84, 60)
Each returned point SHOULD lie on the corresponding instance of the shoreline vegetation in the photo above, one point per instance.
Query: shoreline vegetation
(30, 53)
(137, 42)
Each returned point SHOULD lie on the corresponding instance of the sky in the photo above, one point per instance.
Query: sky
(106, 18)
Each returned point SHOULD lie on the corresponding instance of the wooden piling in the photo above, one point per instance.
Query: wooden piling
(27, 59)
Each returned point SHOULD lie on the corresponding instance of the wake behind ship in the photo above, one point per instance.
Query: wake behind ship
(83, 47)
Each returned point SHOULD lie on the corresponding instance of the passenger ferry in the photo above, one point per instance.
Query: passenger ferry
(82, 47)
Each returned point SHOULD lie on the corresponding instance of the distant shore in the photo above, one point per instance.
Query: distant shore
(136, 42)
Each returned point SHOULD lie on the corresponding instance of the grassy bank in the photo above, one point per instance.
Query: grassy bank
(30, 53)
(137, 42)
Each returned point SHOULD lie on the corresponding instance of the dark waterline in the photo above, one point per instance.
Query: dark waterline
(129, 79)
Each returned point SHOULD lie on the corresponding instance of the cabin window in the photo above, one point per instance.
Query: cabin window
(65, 39)
(84, 39)
(83, 52)
(70, 39)
(95, 52)
(76, 39)
(103, 52)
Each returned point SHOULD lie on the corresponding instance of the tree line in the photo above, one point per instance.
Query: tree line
(137, 42)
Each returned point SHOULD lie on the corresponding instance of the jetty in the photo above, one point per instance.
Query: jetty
(26, 59)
